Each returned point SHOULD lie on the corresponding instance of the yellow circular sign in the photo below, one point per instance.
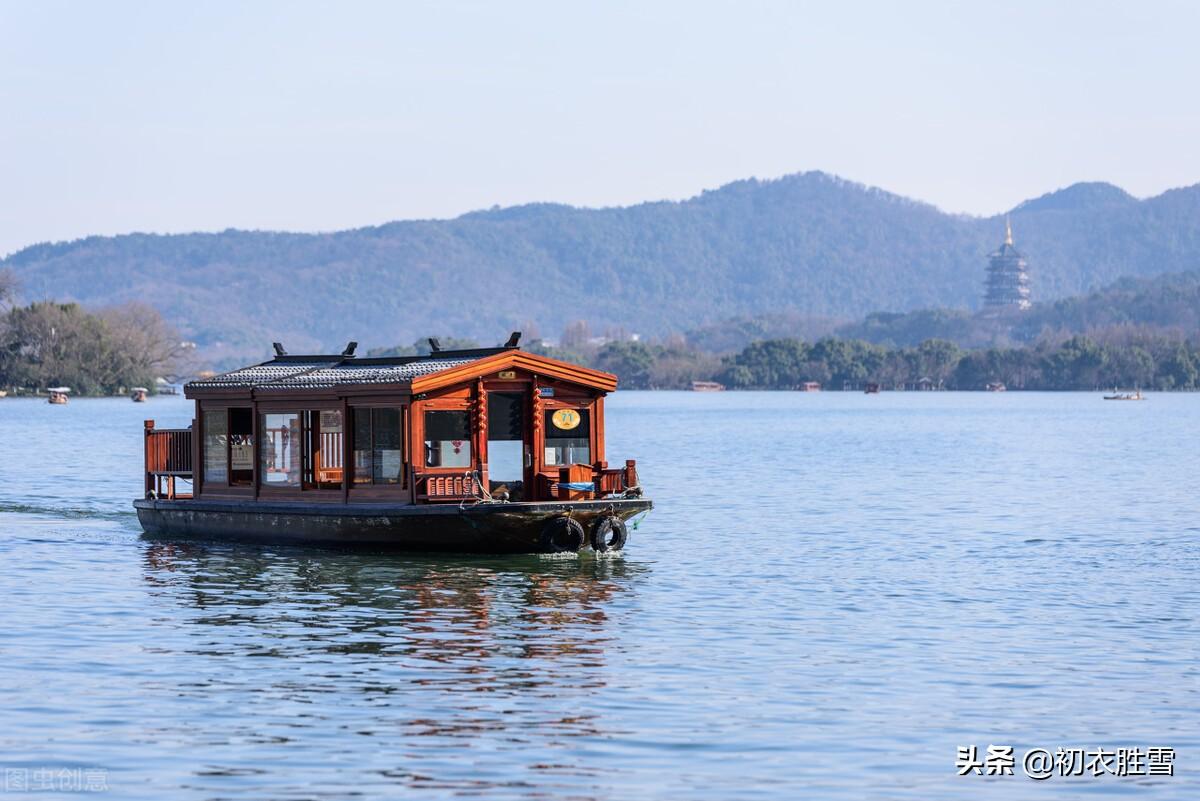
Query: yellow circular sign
(566, 419)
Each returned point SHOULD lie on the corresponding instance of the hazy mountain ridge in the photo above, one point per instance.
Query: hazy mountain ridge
(809, 244)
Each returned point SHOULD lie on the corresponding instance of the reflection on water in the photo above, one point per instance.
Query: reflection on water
(834, 591)
(434, 649)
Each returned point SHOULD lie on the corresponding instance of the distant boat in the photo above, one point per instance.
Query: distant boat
(58, 395)
(3, 393)
(138, 394)
(707, 386)
(809, 386)
(871, 389)
(996, 386)
(1135, 395)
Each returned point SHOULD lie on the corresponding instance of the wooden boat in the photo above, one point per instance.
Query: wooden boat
(872, 388)
(1135, 395)
(485, 450)
(58, 395)
(138, 394)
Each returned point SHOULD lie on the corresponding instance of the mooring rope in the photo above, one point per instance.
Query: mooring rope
(476, 485)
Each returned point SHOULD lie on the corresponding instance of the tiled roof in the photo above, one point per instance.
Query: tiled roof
(326, 373)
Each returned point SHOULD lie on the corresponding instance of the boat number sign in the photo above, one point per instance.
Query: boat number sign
(565, 419)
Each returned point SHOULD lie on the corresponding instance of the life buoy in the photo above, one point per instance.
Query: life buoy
(609, 534)
(562, 535)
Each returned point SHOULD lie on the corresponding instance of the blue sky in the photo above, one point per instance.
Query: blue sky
(167, 117)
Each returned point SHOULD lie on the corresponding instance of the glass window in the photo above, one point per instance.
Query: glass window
(506, 443)
(241, 447)
(216, 440)
(279, 449)
(568, 433)
(378, 452)
(362, 445)
(447, 439)
(323, 467)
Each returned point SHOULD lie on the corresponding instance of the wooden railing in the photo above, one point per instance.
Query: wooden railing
(168, 454)
(614, 481)
(437, 487)
(605, 480)
(329, 461)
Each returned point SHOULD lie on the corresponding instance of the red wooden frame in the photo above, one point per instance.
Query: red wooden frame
(462, 388)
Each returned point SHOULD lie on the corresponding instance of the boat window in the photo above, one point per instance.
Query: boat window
(447, 439)
(279, 449)
(241, 447)
(323, 456)
(216, 452)
(506, 451)
(568, 433)
(378, 453)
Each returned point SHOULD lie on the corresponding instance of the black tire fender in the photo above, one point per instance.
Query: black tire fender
(609, 534)
(562, 535)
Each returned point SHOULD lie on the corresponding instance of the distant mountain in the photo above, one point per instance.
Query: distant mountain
(808, 245)
(1080, 197)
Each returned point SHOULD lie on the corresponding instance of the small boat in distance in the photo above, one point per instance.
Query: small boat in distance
(1135, 395)
(707, 386)
(871, 388)
(58, 395)
(138, 394)
(481, 450)
(996, 386)
(3, 393)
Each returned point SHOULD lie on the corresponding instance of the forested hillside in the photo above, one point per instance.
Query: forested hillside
(1167, 303)
(805, 246)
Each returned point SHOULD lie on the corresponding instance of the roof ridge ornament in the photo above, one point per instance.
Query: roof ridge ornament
(1008, 230)
(279, 351)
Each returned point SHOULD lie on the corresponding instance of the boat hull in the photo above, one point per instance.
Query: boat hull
(482, 528)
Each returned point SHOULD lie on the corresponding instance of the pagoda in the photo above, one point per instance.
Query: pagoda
(1008, 278)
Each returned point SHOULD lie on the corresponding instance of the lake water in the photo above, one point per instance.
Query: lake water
(834, 592)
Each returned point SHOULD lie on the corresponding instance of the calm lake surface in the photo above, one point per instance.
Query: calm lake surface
(834, 592)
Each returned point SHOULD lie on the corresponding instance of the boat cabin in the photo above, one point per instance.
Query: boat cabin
(452, 426)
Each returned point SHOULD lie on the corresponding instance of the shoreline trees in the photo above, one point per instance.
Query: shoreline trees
(49, 344)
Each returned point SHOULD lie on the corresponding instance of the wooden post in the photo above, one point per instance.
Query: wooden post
(481, 427)
(149, 431)
(598, 430)
(406, 466)
(534, 493)
(197, 452)
(347, 450)
(256, 448)
(415, 432)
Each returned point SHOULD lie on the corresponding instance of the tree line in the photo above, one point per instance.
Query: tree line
(48, 344)
(1119, 359)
